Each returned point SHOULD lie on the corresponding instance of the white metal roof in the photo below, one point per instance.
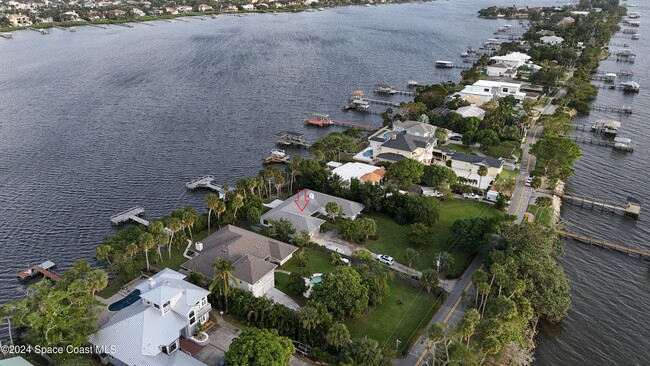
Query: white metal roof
(354, 170)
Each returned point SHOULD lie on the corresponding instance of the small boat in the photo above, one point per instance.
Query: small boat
(636, 37)
(464, 55)
(631, 86)
(277, 156)
(72, 29)
(278, 153)
(412, 84)
(321, 9)
(444, 64)
(7, 35)
(213, 16)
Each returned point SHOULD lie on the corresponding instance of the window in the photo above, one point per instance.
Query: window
(505, 90)
(156, 306)
(203, 319)
(203, 302)
(192, 317)
(170, 348)
(487, 90)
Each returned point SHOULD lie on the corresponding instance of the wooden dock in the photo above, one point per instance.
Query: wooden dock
(289, 138)
(271, 159)
(6, 35)
(127, 215)
(389, 90)
(206, 182)
(125, 25)
(631, 209)
(381, 102)
(43, 268)
(102, 26)
(638, 253)
(625, 110)
(601, 142)
(323, 120)
(40, 30)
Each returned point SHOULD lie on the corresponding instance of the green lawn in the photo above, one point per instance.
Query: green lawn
(543, 216)
(109, 290)
(282, 282)
(393, 237)
(394, 320)
(505, 150)
(318, 262)
(459, 148)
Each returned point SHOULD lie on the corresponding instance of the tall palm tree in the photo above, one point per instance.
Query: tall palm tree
(236, 203)
(319, 155)
(211, 201)
(97, 280)
(278, 181)
(147, 242)
(482, 172)
(293, 168)
(242, 186)
(188, 220)
(132, 249)
(220, 208)
(251, 184)
(103, 252)
(223, 270)
(175, 226)
(157, 230)
(309, 318)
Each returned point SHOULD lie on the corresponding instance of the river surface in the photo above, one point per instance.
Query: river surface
(97, 121)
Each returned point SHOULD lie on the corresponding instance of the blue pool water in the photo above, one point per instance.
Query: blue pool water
(128, 300)
(316, 280)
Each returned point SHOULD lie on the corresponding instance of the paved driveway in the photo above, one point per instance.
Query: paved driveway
(282, 298)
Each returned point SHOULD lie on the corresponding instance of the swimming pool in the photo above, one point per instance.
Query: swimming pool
(128, 300)
(316, 280)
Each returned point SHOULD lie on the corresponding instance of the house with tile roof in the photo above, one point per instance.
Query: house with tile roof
(254, 256)
(306, 219)
(149, 332)
(471, 111)
(360, 171)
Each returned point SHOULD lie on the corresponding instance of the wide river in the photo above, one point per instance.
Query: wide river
(97, 121)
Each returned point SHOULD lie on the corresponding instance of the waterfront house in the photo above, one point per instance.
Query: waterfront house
(500, 69)
(467, 166)
(184, 9)
(415, 128)
(70, 16)
(137, 12)
(248, 7)
(116, 14)
(471, 111)
(552, 40)
(360, 171)
(151, 331)
(402, 145)
(487, 90)
(254, 256)
(306, 219)
(171, 10)
(18, 20)
(515, 59)
(566, 21)
(205, 7)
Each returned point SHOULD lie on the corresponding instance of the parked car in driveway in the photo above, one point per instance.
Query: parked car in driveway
(385, 259)
(471, 196)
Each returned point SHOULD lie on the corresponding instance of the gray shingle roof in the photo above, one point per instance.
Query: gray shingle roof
(406, 142)
(391, 157)
(304, 220)
(478, 160)
(234, 244)
(415, 126)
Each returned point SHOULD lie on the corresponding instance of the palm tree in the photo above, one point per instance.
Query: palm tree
(236, 203)
(429, 279)
(259, 183)
(146, 241)
(103, 252)
(482, 172)
(175, 226)
(338, 336)
(369, 226)
(251, 184)
(542, 202)
(188, 222)
(223, 270)
(132, 249)
(220, 208)
(278, 181)
(97, 280)
(319, 155)
(293, 168)
(157, 229)
(211, 201)
(309, 318)
(333, 210)
(445, 261)
(242, 186)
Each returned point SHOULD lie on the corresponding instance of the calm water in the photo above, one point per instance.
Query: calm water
(97, 121)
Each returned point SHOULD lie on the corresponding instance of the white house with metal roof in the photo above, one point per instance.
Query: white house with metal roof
(148, 332)
(467, 166)
(515, 59)
(305, 219)
(552, 40)
(487, 90)
(471, 111)
(362, 172)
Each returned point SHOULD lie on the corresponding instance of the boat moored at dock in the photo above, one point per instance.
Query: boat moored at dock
(444, 64)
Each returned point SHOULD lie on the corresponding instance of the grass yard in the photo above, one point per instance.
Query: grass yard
(543, 216)
(317, 262)
(459, 148)
(282, 284)
(393, 238)
(505, 150)
(394, 320)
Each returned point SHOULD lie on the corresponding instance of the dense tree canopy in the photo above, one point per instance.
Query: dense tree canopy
(259, 347)
(342, 292)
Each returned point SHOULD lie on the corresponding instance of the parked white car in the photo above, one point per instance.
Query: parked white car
(385, 259)
(529, 180)
(471, 196)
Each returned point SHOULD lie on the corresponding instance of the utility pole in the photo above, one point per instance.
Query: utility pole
(397, 343)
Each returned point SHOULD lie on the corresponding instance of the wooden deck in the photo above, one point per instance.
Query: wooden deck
(29, 272)
(638, 253)
(206, 182)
